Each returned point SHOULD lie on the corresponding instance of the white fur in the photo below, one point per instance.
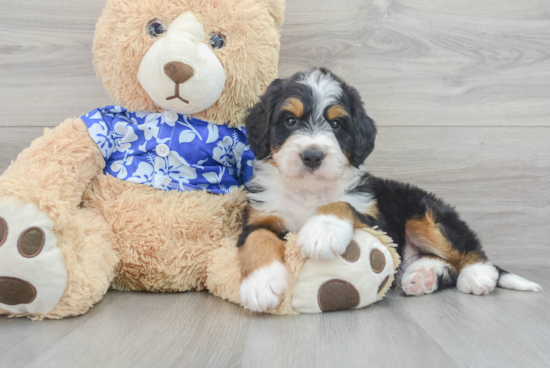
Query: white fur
(263, 288)
(295, 200)
(289, 157)
(325, 90)
(422, 269)
(324, 236)
(477, 279)
(515, 282)
(46, 272)
(183, 42)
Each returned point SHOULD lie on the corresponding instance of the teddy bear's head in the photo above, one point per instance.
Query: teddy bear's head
(208, 58)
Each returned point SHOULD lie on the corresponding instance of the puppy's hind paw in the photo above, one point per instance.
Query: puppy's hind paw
(264, 288)
(477, 279)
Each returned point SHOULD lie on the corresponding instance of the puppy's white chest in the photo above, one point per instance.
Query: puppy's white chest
(296, 209)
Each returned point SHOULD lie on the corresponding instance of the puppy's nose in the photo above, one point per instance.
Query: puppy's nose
(313, 158)
(178, 72)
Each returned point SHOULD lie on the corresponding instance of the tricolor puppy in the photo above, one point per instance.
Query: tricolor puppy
(311, 136)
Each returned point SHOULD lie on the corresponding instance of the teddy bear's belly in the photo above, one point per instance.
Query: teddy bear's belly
(164, 239)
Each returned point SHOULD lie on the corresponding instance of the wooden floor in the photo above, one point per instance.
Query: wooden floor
(460, 91)
(448, 329)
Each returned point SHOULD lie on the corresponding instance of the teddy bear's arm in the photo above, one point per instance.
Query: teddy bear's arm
(56, 168)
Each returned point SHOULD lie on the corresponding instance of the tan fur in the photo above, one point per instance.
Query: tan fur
(373, 211)
(427, 235)
(250, 63)
(130, 236)
(335, 112)
(295, 106)
(256, 218)
(343, 211)
(262, 247)
(127, 236)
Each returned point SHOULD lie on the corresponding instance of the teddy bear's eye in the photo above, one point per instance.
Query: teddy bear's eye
(217, 41)
(155, 28)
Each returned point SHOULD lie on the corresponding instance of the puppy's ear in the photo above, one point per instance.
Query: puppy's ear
(365, 129)
(258, 121)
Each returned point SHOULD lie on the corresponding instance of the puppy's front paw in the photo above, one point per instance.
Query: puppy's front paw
(263, 288)
(324, 237)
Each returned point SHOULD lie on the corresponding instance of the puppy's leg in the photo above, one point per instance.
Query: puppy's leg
(329, 232)
(261, 255)
(451, 240)
(428, 274)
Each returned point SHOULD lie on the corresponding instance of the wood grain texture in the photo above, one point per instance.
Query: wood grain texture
(430, 62)
(46, 71)
(448, 329)
(419, 62)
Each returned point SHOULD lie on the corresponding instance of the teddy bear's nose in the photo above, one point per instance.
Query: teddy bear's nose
(178, 72)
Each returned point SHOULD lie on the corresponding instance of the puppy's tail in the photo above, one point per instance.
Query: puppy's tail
(507, 280)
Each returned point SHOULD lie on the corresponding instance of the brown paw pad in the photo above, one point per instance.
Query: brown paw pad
(383, 284)
(31, 242)
(377, 260)
(3, 231)
(337, 295)
(352, 253)
(16, 291)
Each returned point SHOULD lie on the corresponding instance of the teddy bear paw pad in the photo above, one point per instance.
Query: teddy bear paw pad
(351, 281)
(33, 275)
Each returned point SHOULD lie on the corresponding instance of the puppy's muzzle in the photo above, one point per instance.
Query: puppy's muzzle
(313, 158)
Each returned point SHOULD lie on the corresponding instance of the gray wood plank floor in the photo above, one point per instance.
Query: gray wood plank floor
(447, 329)
(460, 91)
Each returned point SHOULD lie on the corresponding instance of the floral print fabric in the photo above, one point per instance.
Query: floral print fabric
(170, 151)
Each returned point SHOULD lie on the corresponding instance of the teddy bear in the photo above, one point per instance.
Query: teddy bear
(149, 195)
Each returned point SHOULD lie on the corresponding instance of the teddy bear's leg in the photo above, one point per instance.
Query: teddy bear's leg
(53, 269)
(41, 226)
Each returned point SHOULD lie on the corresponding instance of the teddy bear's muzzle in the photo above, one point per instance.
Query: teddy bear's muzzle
(178, 72)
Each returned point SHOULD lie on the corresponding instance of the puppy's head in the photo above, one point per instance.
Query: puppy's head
(311, 125)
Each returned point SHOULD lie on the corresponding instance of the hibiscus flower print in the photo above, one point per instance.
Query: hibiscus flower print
(175, 167)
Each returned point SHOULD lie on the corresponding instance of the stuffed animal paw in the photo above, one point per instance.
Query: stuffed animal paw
(355, 279)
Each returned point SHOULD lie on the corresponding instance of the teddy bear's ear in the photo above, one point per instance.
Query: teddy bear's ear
(276, 9)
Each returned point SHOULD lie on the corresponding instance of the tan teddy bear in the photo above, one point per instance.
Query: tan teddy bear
(149, 196)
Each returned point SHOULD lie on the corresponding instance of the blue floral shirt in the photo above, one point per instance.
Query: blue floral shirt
(169, 151)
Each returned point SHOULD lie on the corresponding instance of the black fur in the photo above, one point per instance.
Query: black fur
(397, 202)
(267, 131)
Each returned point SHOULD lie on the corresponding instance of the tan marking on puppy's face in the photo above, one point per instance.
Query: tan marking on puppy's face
(261, 248)
(295, 106)
(429, 237)
(335, 112)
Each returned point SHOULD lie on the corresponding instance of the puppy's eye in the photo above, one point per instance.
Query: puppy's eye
(291, 122)
(155, 28)
(335, 125)
(217, 41)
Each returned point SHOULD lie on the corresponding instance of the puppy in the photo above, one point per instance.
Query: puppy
(311, 136)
